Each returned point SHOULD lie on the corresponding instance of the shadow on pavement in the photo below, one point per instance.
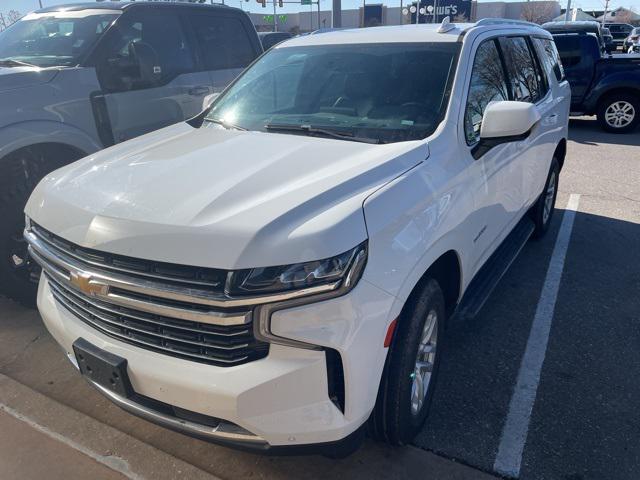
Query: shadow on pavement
(585, 130)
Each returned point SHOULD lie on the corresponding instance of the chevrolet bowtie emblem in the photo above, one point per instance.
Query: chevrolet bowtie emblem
(88, 285)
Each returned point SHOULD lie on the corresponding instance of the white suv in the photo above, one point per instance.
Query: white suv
(279, 270)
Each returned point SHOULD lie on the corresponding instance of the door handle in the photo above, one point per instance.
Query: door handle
(197, 91)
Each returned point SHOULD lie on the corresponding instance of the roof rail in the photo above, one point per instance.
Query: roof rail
(504, 21)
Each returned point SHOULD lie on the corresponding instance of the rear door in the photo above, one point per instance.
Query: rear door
(578, 53)
(530, 83)
(148, 73)
(227, 43)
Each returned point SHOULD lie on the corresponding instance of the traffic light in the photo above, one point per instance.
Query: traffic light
(280, 3)
(263, 2)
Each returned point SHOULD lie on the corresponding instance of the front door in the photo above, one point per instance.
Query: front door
(495, 177)
(147, 71)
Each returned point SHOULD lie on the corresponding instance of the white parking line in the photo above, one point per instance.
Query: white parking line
(514, 433)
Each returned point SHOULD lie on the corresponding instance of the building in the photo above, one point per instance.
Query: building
(576, 14)
(620, 15)
(379, 14)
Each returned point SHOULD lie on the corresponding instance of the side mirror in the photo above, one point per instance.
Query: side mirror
(208, 100)
(505, 122)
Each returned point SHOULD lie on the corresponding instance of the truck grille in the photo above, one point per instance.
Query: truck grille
(170, 309)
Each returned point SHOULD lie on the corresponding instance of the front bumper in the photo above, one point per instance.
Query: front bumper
(279, 401)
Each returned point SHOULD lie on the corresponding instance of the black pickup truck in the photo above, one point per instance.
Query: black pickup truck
(602, 85)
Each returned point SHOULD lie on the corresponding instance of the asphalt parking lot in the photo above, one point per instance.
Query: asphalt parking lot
(584, 420)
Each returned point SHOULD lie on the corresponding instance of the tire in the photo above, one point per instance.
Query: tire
(542, 211)
(20, 172)
(398, 417)
(619, 113)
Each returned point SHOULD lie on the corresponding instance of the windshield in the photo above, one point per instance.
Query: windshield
(54, 38)
(385, 92)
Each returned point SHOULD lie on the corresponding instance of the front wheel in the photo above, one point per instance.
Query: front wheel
(409, 379)
(619, 113)
(20, 172)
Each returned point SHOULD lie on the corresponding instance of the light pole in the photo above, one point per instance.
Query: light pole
(604, 16)
(364, 5)
(275, 17)
(40, 2)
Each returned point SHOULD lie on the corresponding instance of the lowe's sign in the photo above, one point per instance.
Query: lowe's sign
(458, 10)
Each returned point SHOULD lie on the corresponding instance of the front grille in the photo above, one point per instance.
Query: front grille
(147, 321)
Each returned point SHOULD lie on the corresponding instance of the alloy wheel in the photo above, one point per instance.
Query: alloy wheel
(619, 114)
(549, 198)
(425, 362)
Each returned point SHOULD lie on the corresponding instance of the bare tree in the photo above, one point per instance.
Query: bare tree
(8, 19)
(460, 18)
(537, 12)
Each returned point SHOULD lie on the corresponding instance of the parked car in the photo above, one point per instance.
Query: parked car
(603, 35)
(609, 46)
(632, 39)
(270, 39)
(79, 78)
(605, 86)
(279, 271)
(620, 32)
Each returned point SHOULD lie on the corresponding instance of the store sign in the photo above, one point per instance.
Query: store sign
(457, 10)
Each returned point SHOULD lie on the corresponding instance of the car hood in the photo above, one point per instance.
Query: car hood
(23, 77)
(220, 198)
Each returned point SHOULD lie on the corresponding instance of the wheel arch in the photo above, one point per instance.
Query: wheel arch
(627, 90)
(447, 271)
(561, 152)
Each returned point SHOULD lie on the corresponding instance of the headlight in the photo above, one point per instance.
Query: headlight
(341, 270)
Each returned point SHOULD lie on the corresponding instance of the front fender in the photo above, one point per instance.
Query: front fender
(412, 223)
(24, 134)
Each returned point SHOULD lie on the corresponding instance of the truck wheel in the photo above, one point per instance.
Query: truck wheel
(409, 378)
(619, 113)
(542, 211)
(20, 172)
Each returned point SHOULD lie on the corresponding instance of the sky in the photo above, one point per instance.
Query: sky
(25, 6)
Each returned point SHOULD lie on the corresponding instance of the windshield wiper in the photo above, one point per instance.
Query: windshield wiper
(8, 62)
(283, 127)
(226, 125)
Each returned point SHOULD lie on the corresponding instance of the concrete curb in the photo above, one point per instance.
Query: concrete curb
(108, 446)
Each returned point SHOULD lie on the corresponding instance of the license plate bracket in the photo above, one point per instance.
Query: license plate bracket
(102, 367)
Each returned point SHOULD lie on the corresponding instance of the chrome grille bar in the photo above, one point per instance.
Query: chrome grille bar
(44, 255)
(46, 238)
(154, 314)
(113, 329)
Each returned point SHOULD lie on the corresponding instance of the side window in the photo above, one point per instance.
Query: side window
(524, 76)
(550, 57)
(488, 84)
(223, 41)
(144, 52)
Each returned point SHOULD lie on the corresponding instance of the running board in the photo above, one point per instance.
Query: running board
(493, 270)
